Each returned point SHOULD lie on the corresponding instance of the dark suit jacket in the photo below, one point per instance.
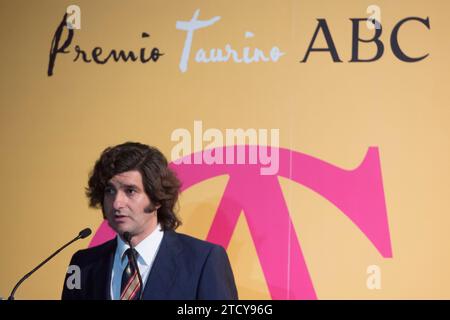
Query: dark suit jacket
(185, 268)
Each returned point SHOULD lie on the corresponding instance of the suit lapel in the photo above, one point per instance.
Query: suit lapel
(163, 272)
(101, 273)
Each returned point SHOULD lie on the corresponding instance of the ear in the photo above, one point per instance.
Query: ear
(151, 208)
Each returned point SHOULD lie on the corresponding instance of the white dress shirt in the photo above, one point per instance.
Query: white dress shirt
(146, 249)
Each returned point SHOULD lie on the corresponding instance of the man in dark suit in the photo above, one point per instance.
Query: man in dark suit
(137, 192)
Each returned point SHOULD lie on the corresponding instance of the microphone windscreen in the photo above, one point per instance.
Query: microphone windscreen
(85, 233)
(127, 236)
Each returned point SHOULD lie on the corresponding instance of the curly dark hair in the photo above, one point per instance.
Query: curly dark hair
(160, 183)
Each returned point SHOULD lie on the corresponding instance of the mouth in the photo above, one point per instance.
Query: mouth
(120, 218)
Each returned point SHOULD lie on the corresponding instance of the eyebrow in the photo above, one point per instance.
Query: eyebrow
(132, 186)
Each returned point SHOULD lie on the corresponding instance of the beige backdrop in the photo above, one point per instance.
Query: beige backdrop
(54, 128)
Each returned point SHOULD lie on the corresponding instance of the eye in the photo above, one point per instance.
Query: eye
(130, 191)
(109, 191)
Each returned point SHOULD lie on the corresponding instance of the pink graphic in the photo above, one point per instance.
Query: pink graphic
(357, 193)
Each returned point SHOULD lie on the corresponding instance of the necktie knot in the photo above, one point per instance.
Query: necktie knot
(129, 252)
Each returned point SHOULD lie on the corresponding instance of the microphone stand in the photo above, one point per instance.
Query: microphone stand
(83, 234)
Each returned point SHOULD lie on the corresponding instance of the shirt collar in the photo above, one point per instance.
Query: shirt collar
(146, 248)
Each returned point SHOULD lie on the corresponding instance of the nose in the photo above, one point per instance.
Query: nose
(119, 200)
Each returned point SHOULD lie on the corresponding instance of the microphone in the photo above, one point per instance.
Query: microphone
(127, 236)
(83, 234)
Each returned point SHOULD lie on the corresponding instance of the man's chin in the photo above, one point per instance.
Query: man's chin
(120, 228)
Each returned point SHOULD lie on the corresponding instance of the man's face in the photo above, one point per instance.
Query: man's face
(127, 206)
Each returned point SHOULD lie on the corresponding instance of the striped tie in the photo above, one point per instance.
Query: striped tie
(130, 287)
